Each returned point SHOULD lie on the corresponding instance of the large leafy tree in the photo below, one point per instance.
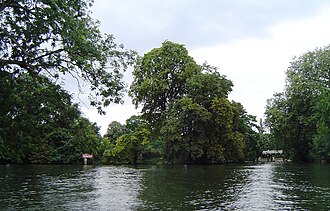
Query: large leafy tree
(185, 131)
(191, 132)
(321, 141)
(246, 124)
(298, 116)
(31, 108)
(187, 106)
(160, 77)
(54, 37)
(208, 84)
(66, 145)
(226, 135)
(115, 130)
(130, 147)
(40, 124)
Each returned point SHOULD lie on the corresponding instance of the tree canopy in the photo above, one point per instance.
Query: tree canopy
(299, 117)
(60, 37)
(186, 114)
(187, 105)
(40, 124)
(160, 77)
(131, 146)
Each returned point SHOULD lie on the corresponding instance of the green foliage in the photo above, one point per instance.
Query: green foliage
(296, 116)
(184, 132)
(246, 125)
(129, 148)
(40, 124)
(227, 117)
(86, 136)
(61, 144)
(160, 77)
(223, 113)
(321, 140)
(114, 131)
(207, 85)
(59, 37)
(186, 106)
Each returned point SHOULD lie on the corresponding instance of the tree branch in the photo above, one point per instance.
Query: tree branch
(8, 3)
(48, 54)
(19, 63)
(23, 64)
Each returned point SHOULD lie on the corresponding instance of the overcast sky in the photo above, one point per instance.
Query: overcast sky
(252, 42)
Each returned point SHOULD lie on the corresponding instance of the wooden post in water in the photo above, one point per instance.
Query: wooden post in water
(85, 157)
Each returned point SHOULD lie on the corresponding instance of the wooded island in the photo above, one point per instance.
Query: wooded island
(186, 115)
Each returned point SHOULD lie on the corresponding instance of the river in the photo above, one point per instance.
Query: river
(269, 186)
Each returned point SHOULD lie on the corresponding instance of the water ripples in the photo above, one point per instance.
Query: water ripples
(267, 186)
(70, 188)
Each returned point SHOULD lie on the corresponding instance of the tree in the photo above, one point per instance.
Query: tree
(129, 148)
(321, 141)
(184, 132)
(60, 37)
(40, 124)
(114, 131)
(86, 138)
(266, 141)
(296, 116)
(66, 145)
(246, 125)
(187, 106)
(231, 139)
(160, 77)
(32, 107)
(208, 84)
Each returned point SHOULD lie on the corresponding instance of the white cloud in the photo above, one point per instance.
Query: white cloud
(246, 45)
(114, 112)
(257, 66)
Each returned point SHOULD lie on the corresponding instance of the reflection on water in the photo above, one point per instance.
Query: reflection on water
(259, 190)
(116, 188)
(267, 186)
(304, 186)
(67, 187)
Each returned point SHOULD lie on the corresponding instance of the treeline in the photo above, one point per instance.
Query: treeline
(186, 115)
(299, 117)
(40, 124)
(41, 41)
(186, 118)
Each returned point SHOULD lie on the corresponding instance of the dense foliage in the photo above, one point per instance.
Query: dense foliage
(161, 77)
(55, 37)
(41, 41)
(186, 115)
(299, 117)
(40, 124)
(186, 105)
(129, 143)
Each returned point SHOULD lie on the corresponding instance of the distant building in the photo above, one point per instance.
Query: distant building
(271, 156)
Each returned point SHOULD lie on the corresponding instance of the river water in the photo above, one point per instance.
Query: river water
(268, 186)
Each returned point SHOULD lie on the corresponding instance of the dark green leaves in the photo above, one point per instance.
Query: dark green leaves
(160, 77)
(186, 105)
(40, 124)
(52, 37)
(299, 117)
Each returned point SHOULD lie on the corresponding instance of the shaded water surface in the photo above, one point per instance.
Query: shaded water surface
(267, 186)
